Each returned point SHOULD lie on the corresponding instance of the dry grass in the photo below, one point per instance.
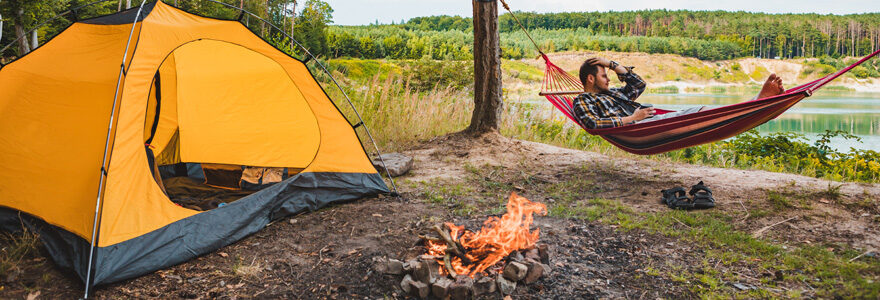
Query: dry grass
(398, 116)
(16, 248)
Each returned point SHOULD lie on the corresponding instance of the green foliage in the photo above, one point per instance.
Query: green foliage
(427, 75)
(311, 24)
(788, 152)
(752, 34)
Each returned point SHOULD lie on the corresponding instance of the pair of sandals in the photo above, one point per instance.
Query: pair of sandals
(675, 198)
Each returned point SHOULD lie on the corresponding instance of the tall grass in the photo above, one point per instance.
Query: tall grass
(398, 115)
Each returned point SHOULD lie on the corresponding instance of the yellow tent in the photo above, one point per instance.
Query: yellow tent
(195, 90)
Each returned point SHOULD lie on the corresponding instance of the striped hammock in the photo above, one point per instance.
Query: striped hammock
(683, 131)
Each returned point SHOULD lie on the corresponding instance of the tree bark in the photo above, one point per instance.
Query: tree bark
(292, 24)
(34, 39)
(487, 68)
(23, 47)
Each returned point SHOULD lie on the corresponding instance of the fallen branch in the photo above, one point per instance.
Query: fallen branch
(760, 232)
(745, 210)
(430, 238)
(680, 222)
(447, 262)
(860, 255)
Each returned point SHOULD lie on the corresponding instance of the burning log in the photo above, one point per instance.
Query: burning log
(451, 245)
(448, 264)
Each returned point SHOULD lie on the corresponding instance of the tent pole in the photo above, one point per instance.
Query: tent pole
(104, 165)
(375, 146)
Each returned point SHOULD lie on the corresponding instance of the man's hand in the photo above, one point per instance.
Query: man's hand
(639, 114)
(599, 61)
(606, 64)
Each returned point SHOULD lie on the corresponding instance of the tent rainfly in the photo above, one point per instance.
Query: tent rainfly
(194, 91)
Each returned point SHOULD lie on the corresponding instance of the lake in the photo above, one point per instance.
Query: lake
(855, 112)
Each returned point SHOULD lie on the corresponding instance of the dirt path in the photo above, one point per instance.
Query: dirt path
(327, 254)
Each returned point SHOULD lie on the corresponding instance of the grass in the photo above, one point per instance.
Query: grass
(17, 247)
(246, 271)
(830, 273)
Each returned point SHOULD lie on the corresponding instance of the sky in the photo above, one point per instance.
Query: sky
(361, 12)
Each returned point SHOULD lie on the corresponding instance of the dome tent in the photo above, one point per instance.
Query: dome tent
(196, 90)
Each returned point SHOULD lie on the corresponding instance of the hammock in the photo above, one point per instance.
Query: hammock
(683, 131)
(678, 132)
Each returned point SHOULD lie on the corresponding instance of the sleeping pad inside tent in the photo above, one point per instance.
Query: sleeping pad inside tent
(214, 134)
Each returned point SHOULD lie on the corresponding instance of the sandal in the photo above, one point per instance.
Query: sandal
(675, 198)
(702, 196)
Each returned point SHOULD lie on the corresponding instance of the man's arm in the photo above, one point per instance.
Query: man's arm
(587, 116)
(635, 86)
(587, 112)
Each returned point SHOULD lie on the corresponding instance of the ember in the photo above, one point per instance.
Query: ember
(468, 253)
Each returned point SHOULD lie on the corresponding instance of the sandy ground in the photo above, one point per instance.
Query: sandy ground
(735, 190)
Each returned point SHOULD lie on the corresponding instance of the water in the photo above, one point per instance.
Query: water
(857, 113)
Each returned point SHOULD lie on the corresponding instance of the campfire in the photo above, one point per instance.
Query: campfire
(460, 264)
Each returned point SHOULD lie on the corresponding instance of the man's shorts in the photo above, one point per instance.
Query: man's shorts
(682, 112)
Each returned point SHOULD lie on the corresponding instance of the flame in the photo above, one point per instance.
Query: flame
(495, 240)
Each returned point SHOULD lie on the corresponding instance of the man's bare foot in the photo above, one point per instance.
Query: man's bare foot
(772, 87)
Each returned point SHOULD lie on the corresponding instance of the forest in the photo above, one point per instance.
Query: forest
(707, 35)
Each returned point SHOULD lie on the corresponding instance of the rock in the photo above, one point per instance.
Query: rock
(407, 284)
(420, 289)
(410, 265)
(387, 266)
(515, 271)
(516, 256)
(462, 288)
(532, 254)
(536, 270)
(484, 286)
(505, 286)
(544, 253)
(426, 271)
(440, 287)
(394, 267)
(398, 164)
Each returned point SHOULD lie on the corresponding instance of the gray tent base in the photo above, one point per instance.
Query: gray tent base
(201, 233)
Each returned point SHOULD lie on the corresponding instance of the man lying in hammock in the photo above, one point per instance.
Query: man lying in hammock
(601, 107)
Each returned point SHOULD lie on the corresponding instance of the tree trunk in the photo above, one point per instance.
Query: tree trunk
(292, 24)
(34, 40)
(487, 68)
(23, 47)
(1, 27)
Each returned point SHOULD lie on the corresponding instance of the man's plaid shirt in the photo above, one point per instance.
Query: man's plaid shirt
(605, 109)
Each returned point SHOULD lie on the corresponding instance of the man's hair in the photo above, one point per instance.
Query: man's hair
(588, 69)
